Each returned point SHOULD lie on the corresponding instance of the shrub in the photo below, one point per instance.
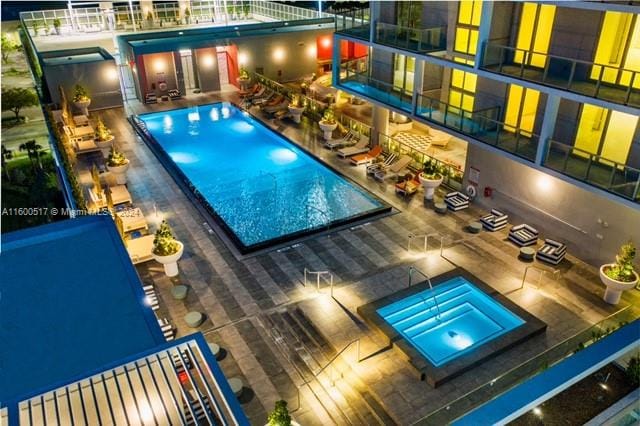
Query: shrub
(328, 116)
(622, 270)
(633, 370)
(432, 170)
(81, 94)
(280, 415)
(116, 158)
(102, 132)
(164, 244)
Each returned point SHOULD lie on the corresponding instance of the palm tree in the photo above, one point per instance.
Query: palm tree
(7, 154)
(33, 152)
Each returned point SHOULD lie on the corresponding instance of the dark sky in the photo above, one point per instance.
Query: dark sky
(11, 9)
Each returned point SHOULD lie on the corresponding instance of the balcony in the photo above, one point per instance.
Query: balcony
(355, 23)
(584, 78)
(412, 39)
(593, 169)
(354, 78)
(482, 125)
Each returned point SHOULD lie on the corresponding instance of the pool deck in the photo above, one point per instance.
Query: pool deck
(273, 328)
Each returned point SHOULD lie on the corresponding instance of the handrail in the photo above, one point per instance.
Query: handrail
(413, 268)
(318, 275)
(543, 271)
(411, 236)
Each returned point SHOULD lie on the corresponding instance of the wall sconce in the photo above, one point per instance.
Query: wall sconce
(326, 42)
(312, 51)
(159, 65)
(279, 54)
(111, 73)
(207, 61)
(242, 58)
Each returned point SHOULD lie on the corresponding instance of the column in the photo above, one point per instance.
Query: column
(548, 125)
(335, 59)
(374, 16)
(418, 79)
(380, 123)
(484, 31)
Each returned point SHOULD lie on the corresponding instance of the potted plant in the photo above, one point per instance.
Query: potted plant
(280, 415)
(431, 178)
(244, 79)
(187, 16)
(149, 20)
(81, 99)
(118, 164)
(246, 7)
(56, 25)
(103, 137)
(35, 26)
(328, 123)
(619, 276)
(166, 249)
(296, 108)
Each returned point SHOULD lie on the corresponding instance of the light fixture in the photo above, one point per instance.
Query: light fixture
(242, 58)
(326, 42)
(180, 33)
(544, 183)
(537, 411)
(459, 341)
(159, 65)
(312, 51)
(111, 73)
(278, 54)
(207, 61)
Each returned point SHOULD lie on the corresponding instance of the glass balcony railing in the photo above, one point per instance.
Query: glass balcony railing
(481, 124)
(585, 78)
(593, 169)
(355, 77)
(355, 23)
(412, 39)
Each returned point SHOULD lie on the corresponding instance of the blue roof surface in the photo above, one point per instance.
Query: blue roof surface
(70, 302)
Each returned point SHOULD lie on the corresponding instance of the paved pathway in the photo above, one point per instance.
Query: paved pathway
(368, 262)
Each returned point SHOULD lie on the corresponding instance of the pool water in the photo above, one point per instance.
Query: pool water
(263, 188)
(463, 318)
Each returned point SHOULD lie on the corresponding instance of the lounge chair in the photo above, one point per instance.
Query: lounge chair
(273, 101)
(276, 107)
(257, 94)
(132, 219)
(250, 92)
(281, 114)
(551, 252)
(494, 221)
(456, 201)
(84, 146)
(360, 147)
(523, 235)
(373, 168)
(174, 94)
(409, 185)
(167, 329)
(349, 139)
(119, 194)
(266, 97)
(367, 157)
(140, 249)
(393, 170)
(150, 98)
(439, 138)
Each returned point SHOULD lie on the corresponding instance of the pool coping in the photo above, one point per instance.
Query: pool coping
(437, 376)
(223, 231)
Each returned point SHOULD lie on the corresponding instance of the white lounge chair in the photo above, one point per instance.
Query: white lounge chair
(349, 139)
(372, 169)
(393, 170)
(85, 146)
(360, 147)
(119, 195)
(140, 249)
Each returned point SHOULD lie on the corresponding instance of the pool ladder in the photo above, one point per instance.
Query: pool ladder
(411, 270)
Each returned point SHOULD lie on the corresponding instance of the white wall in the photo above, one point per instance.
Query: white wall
(557, 201)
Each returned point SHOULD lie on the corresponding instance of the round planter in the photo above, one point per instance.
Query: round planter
(614, 287)
(105, 146)
(120, 172)
(244, 83)
(83, 106)
(327, 128)
(170, 262)
(429, 185)
(296, 112)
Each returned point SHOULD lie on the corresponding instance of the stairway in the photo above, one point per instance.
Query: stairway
(345, 398)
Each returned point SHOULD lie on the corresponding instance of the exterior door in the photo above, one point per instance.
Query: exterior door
(187, 70)
(223, 68)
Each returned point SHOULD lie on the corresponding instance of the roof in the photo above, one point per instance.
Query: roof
(70, 302)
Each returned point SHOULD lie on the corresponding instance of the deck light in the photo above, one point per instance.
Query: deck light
(283, 156)
(537, 411)
(180, 33)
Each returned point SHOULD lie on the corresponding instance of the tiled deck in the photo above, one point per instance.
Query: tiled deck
(242, 298)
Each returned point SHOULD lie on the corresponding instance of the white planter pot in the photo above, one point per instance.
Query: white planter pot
(120, 172)
(244, 83)
(615, 288)
(296, 112)
(429, 185)
(83, 106)
(170, 262)
(327, 128)
(105, 146)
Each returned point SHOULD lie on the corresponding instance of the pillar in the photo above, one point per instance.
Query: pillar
(418, 80)
(548, 125)
(484, 31)
(374, 16)
(380, 123)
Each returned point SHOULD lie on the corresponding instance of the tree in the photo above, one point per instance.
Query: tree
(7, 154)
(17, 98)
(8, 47)
(280, 415)
(33, 151)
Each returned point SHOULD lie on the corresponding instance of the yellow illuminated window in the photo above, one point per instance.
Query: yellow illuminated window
(463, 87)
(404, 72)
(534, 34)
(606, 133)
(616, 36)
(469, 13)
(522, 106)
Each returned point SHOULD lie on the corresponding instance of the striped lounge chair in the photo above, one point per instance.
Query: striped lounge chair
(551, 252)
(523, 235)
(456, 201)
(494, 221)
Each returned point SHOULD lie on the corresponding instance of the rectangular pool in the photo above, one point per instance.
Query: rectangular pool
(450, 326)
(260, 188)
(452, 319)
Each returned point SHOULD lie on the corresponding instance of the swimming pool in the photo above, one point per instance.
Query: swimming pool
(470, 324)
(260, 188)
(452, 319)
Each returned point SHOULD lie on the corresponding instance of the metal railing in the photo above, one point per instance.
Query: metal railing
(382, 91)
(541, 273)
(412, 39)
(319, 275)
(593, 169)
(354, 23)
(600, 81)
(527, 369)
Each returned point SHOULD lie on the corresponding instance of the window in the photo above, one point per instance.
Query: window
(534, 34)
(409, 13)
(618, 48)
(467, 27)
(403, 72)
(462, 91)
(522, 107)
